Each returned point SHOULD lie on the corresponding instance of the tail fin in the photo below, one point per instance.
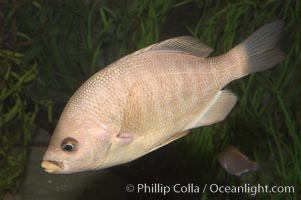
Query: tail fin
(260, 48)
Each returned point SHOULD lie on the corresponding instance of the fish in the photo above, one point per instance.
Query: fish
(235, 162)
(152, 97)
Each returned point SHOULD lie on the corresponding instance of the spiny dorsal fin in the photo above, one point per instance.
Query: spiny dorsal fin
(182, 44)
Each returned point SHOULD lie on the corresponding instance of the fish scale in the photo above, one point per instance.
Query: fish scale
(158, 109)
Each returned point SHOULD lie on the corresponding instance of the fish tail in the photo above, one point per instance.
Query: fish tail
(259, 52)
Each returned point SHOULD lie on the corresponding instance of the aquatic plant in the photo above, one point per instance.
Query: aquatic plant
(18, 110)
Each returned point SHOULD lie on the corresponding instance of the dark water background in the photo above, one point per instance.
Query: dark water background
(49, 48)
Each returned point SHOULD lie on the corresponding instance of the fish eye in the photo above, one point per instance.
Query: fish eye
(69, 145)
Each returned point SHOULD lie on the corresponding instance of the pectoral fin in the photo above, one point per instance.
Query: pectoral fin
(171, 139)
(125, 137)
(217, 110)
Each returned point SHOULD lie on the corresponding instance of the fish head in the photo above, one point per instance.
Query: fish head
(76, 145)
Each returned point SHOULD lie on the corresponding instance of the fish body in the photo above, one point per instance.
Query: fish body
(152, 97)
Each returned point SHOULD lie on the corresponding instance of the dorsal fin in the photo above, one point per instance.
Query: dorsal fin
(182, 44)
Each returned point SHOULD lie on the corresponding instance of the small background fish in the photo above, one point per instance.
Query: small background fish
(236, 163)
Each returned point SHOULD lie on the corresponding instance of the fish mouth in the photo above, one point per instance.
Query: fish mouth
(52, 166)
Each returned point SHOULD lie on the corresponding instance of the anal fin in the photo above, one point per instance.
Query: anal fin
(217, 110)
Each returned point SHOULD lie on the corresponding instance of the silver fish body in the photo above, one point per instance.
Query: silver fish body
(152, 97)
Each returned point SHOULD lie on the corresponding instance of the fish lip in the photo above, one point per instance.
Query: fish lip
(52, 166)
